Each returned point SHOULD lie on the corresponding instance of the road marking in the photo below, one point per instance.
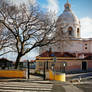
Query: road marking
(25, 87)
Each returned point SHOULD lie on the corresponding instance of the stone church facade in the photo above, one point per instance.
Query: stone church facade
(76, 54)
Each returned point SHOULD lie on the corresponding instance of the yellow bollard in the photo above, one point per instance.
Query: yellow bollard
(60, 77)
(57, 76)
(51, 75)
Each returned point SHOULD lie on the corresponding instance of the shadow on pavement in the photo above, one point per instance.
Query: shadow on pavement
(78, 76)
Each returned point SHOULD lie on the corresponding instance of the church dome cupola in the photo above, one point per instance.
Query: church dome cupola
(69, 21)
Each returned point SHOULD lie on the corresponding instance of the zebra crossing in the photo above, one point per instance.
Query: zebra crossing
(32, 86)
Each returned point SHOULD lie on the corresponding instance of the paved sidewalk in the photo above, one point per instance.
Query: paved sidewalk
(65, 87)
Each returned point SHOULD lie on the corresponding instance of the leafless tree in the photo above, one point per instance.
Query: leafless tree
(29, 28)
(5, 35)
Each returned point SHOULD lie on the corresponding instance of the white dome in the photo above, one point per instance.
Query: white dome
(68, 23)
(68, 17)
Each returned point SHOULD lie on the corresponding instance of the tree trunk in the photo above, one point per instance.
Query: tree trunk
(17, 61)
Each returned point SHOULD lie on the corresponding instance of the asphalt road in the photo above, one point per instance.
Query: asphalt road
(86, 86)
(33, 86)
(36, 84)
(44, 86)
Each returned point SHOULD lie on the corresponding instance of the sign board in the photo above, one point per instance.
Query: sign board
(54, 59)
(64, 63)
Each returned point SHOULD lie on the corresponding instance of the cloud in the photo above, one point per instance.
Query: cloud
(52, 6)
(86, 27)
(18, 2)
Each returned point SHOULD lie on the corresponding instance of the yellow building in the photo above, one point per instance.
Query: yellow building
(59, 64)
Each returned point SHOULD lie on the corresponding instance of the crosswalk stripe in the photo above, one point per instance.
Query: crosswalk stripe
(25, 87)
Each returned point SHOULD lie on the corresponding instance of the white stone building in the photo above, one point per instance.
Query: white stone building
(71, 56)
(70, 24)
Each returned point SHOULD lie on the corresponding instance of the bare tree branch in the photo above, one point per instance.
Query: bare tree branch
(29, 28)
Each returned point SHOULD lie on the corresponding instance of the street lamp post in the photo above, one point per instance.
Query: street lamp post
(44, 70)
(27, 70)
(64, 65)
(47, 66)
(54, 59)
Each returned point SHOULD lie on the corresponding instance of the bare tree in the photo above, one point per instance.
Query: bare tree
(30, 28)
(6, 37)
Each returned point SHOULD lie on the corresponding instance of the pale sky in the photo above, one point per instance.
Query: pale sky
(81, 8)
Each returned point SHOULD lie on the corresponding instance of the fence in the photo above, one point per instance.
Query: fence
(58, 66)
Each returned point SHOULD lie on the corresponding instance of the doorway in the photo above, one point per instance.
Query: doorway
(84, 66)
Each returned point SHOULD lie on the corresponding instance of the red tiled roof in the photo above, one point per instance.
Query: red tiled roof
(57, 54)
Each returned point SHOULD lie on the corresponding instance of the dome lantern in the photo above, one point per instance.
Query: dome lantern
(67, 6)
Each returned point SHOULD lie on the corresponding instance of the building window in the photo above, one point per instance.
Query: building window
(86, 44)
(70, 31)
(85, 47)
(78, 32)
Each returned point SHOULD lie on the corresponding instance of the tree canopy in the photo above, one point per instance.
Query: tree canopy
(25, 28)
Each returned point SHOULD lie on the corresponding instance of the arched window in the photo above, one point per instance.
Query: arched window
(70, 31)
(78, 32)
